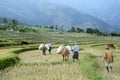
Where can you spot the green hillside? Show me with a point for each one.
(48, 14)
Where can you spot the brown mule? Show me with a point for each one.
(65, 54)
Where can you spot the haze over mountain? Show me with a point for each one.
(107, 10)
(41, 12)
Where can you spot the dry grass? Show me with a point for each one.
(43, 72)
(36, 56)
(64, 71)
(56, 72)
(4, 52)
(116, 66)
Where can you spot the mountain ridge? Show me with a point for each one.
(106, 10)
(45, 13)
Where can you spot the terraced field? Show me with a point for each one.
(35, 66)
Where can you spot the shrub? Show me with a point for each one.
(8, 61)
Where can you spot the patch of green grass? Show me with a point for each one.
(8, 61)
(23, 50)
(90, 68)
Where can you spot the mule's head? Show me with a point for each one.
(110, 46)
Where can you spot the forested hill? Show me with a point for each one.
(39, 12)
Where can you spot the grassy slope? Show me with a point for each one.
(84, 40)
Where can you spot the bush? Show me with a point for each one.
(8, 61)
(12, 59)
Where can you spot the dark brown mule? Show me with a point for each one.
(110, 46)
(65, 54)
(44, 50)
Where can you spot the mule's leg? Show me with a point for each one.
(68, 57)
(63, 58)
(44, 52)
(73, 59)
(49, 50)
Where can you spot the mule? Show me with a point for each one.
(49, 47)
(65, 54)
(110, 46)
(44, 48)
(65, 51)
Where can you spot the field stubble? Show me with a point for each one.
(59, 71)
(63, 71)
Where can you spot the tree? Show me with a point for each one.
(114, 34)
(15, 22)
(93, 31)
(5, 20)
(72, 29)
(51, 27)
(62, 29)
(45, 26)
(96, 31)
(56, 27)
(79, 30)
(89, 30)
